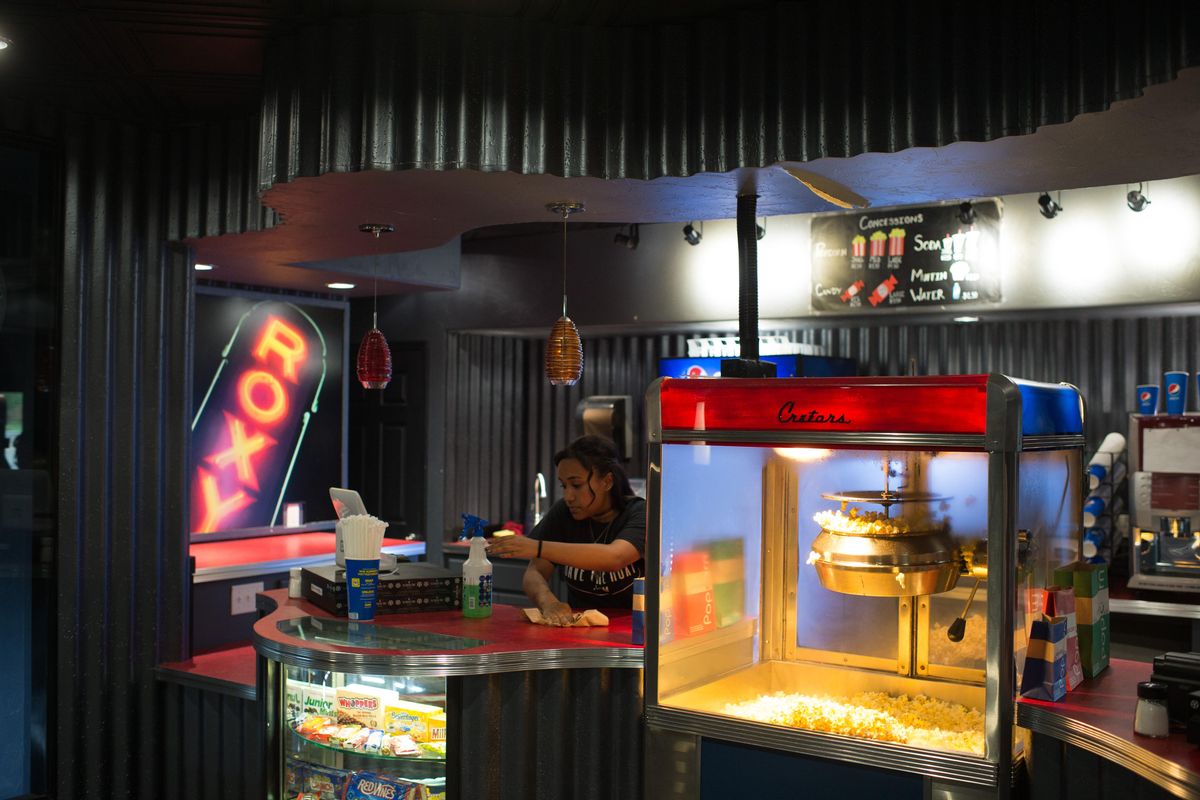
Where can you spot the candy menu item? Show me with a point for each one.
(364, 705)
(917, 720)
(852, 290)
(883, 290)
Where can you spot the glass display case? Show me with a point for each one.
(847, 568)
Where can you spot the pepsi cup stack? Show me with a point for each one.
(1176, 391)
(1147, 399)
(639, 610)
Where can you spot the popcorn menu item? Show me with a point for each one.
(858, 246)
(363, 704)
(917, 720)
(857, 522)
(878, 243)
(896, 242)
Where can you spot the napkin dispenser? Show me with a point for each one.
(1181, 673)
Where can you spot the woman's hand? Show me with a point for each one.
(556, 612)
(513, 547)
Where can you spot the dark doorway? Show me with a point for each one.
(30, 276)
(387, 443)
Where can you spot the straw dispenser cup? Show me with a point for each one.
(362, 536)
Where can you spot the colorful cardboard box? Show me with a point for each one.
(1090, 582)
(1045, 673)
(1060, 602)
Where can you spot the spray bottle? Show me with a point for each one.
(477, 578)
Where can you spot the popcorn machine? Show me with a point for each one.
(844, 568)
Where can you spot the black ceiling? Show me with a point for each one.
(200, 61)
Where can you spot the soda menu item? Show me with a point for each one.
(906, 257)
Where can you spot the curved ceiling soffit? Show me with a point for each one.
(792, 83)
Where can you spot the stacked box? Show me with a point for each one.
(1090, 582)
(363, 705)
(729, 580)
(410, 588)
(317, 701)
(1060, 602)
(1045, 674)
(415, 719)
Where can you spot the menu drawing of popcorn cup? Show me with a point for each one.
(858, 246)
(883, 290)
(896, 242)
(878, 244)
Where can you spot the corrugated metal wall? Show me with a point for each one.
(123, 577)
(210, 746)
(504, 421)
(784, 82)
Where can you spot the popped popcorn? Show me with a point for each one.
(917, 720)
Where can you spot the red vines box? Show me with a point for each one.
(268, 409)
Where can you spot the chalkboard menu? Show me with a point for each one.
(906, 258)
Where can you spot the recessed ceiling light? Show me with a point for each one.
(5, 42)
(340, 285)
(204, 268)
(966, 319)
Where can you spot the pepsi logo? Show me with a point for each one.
(1174, 388)
(695, 371)
(1144, 396)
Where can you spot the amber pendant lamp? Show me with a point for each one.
(374, 357)
(564, 351)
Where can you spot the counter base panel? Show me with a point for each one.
(545, 735)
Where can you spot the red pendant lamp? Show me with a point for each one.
(374, 357)
(564, 351)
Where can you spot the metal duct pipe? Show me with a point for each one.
(747, 239)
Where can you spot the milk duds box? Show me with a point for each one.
(411, 588)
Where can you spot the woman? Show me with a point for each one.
(596, 533)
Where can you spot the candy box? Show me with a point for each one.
(317, 700)
(325, 782)
(437, 727)
(373, 786)
(411, 718)
(364, 705)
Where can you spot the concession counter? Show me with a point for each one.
(435, 705)
(843, 572)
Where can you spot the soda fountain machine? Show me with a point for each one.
(1164, 499)
(844, 568)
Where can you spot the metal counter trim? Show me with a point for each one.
(1168, 775)
(449, 665)
(948, 766)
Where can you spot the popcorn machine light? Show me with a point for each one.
(846, 568)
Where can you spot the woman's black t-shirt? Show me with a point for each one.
(589, 588)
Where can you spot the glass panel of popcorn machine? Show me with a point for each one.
(711, 535)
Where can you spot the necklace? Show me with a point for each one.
(603, 533)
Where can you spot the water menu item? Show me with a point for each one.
(906, 257)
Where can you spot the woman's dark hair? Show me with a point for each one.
(599, 455)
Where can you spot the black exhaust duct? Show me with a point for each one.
(748, 365)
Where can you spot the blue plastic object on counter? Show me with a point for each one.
(472, 524)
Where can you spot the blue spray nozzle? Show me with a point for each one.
(472, 526)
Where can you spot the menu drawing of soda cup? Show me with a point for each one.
(896, 242)
(947, 248)
(883, 290)
(878, 244)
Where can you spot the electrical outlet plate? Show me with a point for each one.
(241, 597)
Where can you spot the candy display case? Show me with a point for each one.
(434, 705)
(846, 568)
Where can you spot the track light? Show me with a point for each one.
(966, 213)
(1049, 208)
(691, 235)
(1136, 200)
(760, 230)
(630, 239)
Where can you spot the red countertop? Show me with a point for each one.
(229, 671)
(1098, 716)
(506, 632)
(287, 547)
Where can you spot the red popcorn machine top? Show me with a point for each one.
(847, 568)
